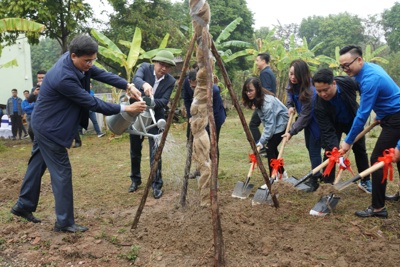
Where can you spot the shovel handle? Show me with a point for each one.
(358, 137)
(285, 139)
(250, 170)
(325, 163)
(361, 175)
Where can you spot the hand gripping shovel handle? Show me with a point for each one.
(280, 153)
(285, 140)
(325, 163)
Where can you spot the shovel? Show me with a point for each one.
(262, 195)
(242, 190)
(328, 203)
(326, 162)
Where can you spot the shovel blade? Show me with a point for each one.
(262, 196)
(293, 180)
(325, 205)
(242, 190)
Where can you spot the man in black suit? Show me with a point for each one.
(155, 81)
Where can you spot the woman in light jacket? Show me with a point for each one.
(273, 115)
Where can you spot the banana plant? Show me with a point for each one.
(17, 24)
(222, 45)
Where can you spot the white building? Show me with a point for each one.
(19, 77)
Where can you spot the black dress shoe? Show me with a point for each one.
(71, 229)
(369, 212)
(394, 197)
(77, 145)
(16, 210)
(134, 186)
(157, 193)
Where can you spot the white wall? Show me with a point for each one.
(16, 77)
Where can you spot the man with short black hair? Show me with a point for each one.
(335, 109)
(154, 81)
(15, 113)
(268, 81)
(64, 103)
(382, 95)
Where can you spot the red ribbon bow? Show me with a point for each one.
(275, 164)
(388, 167)
(253, 159)
(346, 162)
(333, 157)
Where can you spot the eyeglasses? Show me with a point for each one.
(164, 65)
(346, 66)
(90, 61)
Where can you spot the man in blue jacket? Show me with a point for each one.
(64, 103)
(154, 81)
(379, 93)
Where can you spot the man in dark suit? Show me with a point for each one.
(155, 81)
(335, 109)
(64, 103)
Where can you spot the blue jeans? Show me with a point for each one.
(92, 117)
(48, 154)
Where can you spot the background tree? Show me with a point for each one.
(373, 31)
(154, 18)
(44, 55)
(332, 31)
(391, 26)
(62, 18)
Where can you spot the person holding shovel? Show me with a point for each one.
(273, 114)
(301, 95)
(382, 95)
(335, 109)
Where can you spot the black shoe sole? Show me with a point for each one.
(19, 214)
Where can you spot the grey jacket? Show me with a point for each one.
(274, 116)
(10, 107)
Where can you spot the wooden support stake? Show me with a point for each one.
(219, 254)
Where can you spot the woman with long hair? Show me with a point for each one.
(273, 115)
(300, 98)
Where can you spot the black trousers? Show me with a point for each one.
(359, 150)
(16, 125)
(388, 138)
(136, 158)
(254, 125)
(272, 150)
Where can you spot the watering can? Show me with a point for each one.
(146, 121)
(137, 123)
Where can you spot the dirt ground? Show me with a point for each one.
(168, 235)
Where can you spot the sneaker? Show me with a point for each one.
(101, 135)
(26, 136)
(369, 212)
(284, 175)
(365, 186)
